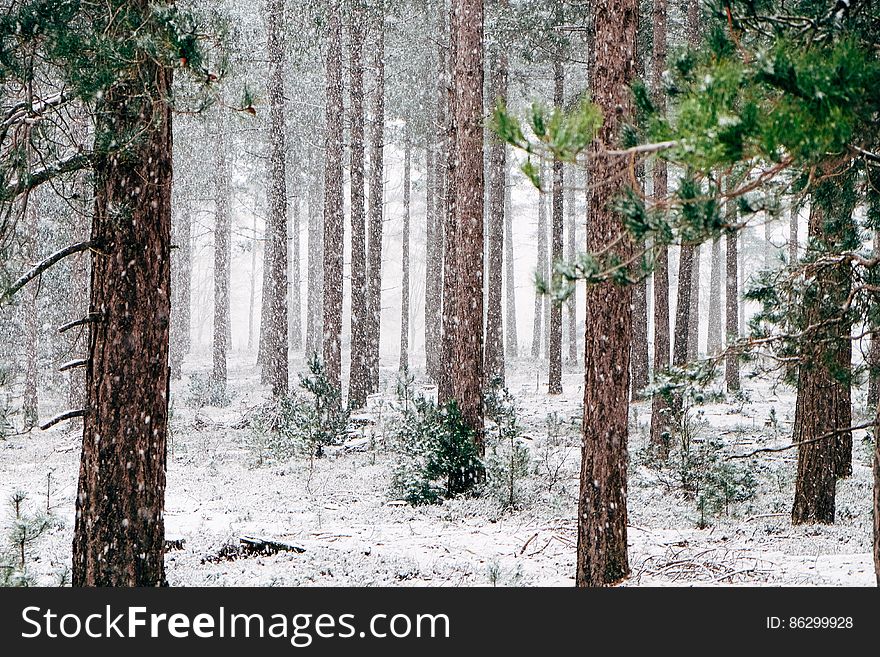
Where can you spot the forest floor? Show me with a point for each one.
(222, 486)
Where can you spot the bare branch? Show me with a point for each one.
(43, 266)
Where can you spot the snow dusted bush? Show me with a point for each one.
(436, 455)
(306, 420)
(25, 529)
(507, 457)
(203, 392)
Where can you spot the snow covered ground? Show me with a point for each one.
(339, 509)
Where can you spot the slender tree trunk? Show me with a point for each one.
(333, 203)
(295, 303)
(358, 382)
(445, 387)
(602, 513)
(713, 339)
(433, 265)
(732, 303)
(541, 270)
(693, 321)
(554, 385)
(181, 282)
(376, 210)
(404, 284)
(222, 255)
(877, 497)
(276, 364)
(570, 255)
(252, 296)
(793, 234)
(497, 192)
(31, 318)
(874, 349)
(119, 532)
(314, 262)
(467, 363)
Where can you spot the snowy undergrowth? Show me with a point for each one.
(340, 510)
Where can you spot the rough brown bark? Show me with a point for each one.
(693, 321)
(119, 531)
(359, 375)
(467, 363)
(602, 514)
(433, 265)
(333, 203)
(376, 209)
(222, 255)
(554, 385)
(495, 264)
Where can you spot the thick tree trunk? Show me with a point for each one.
(334, 227)
(495, 263)
(554, 384)
(181, 289)
(376, 210)
(222, 256)
(602, 513)
(467, 363)
(119, 532)
(713, 339)
(404, 265)
(358, 381)
(823, 410)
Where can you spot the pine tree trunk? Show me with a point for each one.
(119, 531)
(358, 382)
(404, 265)
(554, 385)
(181, 289)
(376, 210)
(79, 300)
(713, 340)
(541, 270)
(445, 384)
(693, 326)
(314, 262)
(874, 349)
(877, 497)
(793, 235)
(252, 295)
(602, 513)
(823, 399)
(30, 402)
(334, 227)
(495, 262)
(433, 265)
(295, 285)
(222, 255)
(467, 363)
(570, 255)
(732, 305)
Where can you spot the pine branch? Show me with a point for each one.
(66, 415)
(824, 436)
(42, 266)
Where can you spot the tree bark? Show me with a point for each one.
(30, 311)
(119, 532)
(333, 203)
(404, 265)
(467, 363)
(713, 339)
(541, 270)
(358, 382)
(602, 513)
(295, 282)
(554, 384)
(497, 195)
(570, 255)
(222, 255)
(314, 262)
(732, 303)
(376, 209)
(693, 321)
(181, 289)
